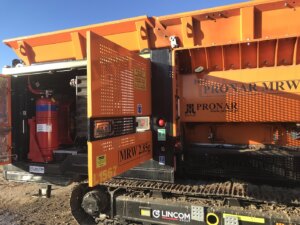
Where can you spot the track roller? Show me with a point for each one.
(95, 202)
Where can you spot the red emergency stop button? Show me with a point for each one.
(161, 122)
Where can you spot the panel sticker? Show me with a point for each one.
(101, 161)
(139, 109)
(246, 218)
(143, 123)
(172, 215)
(161, 134)
(139, 79)
(146, 212)
(43, 128)
(162, 160)
(37, 169)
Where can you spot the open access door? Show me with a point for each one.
(5, 120)
(119, 109)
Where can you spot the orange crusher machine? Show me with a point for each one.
(190, 118)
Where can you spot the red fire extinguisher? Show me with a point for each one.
(47, 126)
(46, 130)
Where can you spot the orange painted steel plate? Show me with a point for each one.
(118, 87)
(250, 95)
(110, 157)
(234, 23)
(118, 80)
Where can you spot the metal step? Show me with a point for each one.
(13, 173)
(150, 170)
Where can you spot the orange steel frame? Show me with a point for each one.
(227, 24)
(259, 53)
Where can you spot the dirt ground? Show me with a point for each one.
(19, 207)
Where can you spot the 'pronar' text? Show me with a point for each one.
(211, 87)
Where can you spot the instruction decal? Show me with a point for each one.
(100, 161)
(140, 81)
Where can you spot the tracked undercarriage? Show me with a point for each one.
(221, 199)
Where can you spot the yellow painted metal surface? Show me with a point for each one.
(250, 219)
(228, 24)
(118, 87)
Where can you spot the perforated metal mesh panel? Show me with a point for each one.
(119, 81)
(4, 121)
(258, 95)
(118, 91)
(263, 97)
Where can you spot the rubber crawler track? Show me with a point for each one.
(230, 189)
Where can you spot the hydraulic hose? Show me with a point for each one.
(34, 91)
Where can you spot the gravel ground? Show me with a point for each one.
(19, 207)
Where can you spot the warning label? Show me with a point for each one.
(43, 128)
(139, 79)
(101, 161)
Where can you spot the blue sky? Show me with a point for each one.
(22, 18)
